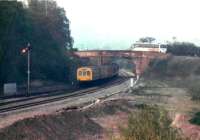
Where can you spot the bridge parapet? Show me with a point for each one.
(140, 58)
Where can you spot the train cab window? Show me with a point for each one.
(88, 73)
(84, 73)
(80, 73)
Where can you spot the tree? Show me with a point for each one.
(12, 32)
(183, 48)
(49, 35)
(147, 39)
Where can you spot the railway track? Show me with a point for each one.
(59, 96)
(4, 102)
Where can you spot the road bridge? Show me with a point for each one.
(141, 59)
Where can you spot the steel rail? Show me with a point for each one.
(60, 98)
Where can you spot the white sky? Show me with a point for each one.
(120, 23)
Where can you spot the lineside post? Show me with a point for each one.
(28, 69)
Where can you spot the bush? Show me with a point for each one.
(174, 66)
(183, 49)
(196, 119)
(159, 66)
(149, 123)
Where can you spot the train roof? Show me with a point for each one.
(93, 67)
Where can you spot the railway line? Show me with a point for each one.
(49, 94)
(9, 106)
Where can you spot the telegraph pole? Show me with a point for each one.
(28, 69)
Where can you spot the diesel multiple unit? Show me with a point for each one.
(93, 73)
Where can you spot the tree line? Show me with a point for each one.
(45, 26)
(183, 49)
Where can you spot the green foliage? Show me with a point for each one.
(183, 70)
(183, 49)
(49, 36)
(147, 39)
(174, 66)
(12, 33)
(149, 123)
(158, 66)
(196, 119)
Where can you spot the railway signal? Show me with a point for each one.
(24, 50)
(28, 51)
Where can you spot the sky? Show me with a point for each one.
(116, 24)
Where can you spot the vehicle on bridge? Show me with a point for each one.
(93, 73)
(149, 47)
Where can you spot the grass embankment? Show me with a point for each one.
(149, 123)
(178, 71)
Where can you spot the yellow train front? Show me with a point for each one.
(93, 73)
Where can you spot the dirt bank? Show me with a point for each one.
(96, 122)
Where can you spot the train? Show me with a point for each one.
(94, 73)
